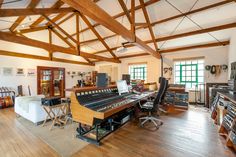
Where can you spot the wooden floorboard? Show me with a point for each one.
(184, 134)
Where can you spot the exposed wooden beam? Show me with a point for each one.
(22, 55)
(181, 35)
(124, 7)
(50, 53)
(78, 37)
(77, 33)
(149, 24)
(71, 61)
(34, 43)
(38, 11)
(57, 5)
(97, 35)
(67, 18)
(54, 48)
(196, 47)
(89, 8)
(94, 40)
(32, 4)
(150, 2)
(58, 17)
(135, 55)
(207, 45)
(62, 38)
(34, 29)
(132, 26)
(175, 17)
(28, 56)
(68, 36)
(136, 8)
(59, 28)
(1, 1)
(206, 30)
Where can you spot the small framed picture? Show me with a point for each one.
(7, 71)
(31, 72)
(20, 72)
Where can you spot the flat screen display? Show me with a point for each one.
(122, 87)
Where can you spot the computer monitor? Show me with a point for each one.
(102, 80)
(122, 87)
(127, 78)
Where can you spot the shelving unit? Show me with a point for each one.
(6, 95)
(226, 118)
(177, 97)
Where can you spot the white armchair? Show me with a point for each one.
(30, 108)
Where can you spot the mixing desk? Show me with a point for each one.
(95, 108)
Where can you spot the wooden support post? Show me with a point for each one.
(133, 19)
(77, 33)
(50, 42)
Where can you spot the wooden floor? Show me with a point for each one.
(185, 134)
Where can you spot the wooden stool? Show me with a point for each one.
(56, 114)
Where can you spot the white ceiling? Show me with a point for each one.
(161, 10)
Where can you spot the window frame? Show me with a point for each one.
(138, 70)
(193, 67)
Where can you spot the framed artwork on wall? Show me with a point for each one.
(31, 72)
(7, 71)
(20, 72)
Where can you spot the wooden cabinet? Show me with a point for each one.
(51, 81)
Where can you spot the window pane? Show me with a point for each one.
(194, 67)
(200, 73)
(138, 71)
(200, 79)
(193, 73)
(177, 63)
(188, 85)
(188, 73)
(177, 73)
(188, 67)
(177, 68)
(200, 66)
(183, 73)
(177, 79)
(188, 79)
(183, 79)
(194, 79)
(183, 67)
(194, 62)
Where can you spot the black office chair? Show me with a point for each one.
(152, 106)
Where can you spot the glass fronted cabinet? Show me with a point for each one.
(51, 81)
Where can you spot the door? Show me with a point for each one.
(51, 81)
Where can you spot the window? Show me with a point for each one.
(189, 72)
(138, 71)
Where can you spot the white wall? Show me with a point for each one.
(153, 66)
(213, 56)
(14, 81)
(232, 50)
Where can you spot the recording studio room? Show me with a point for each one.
(118, 78)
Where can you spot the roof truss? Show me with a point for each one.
(86, 8)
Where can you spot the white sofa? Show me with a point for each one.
(30, 108)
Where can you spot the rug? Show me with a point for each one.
(62, 140)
